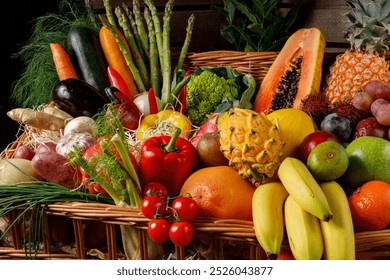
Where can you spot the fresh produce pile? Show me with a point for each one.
(142, 135)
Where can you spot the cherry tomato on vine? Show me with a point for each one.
(158, 230)
(155, 189)
(152, 205)
(186, 207)
(181, 233)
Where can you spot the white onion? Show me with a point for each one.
(80, 124)
(142, 102)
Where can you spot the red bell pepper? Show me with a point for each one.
(117, 97)
(117, 81)
(181, 105)
(168, 160)
(153, 108)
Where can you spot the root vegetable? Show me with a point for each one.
(80, 140)
(57, 112)
(55, 168)
(17, 170)
(80, 124)
(36, 119)
(24, 151)
(62, 62)
(46, 147)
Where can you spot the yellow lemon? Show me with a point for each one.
(294, 125)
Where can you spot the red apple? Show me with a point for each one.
(312, 140)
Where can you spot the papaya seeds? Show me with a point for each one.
(209, 152)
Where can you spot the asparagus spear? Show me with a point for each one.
(109, 14)
(133, 25)
(139, 62)
(154, 63)
(184, 49)
(166, 69)
(140, 26)
(157, 28)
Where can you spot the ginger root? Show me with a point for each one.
(36, 119)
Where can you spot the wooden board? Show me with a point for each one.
(328, 16)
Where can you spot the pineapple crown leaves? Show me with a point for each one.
(256, 25)
(368, 25)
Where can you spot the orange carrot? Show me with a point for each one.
(64, 66)
(115, 58)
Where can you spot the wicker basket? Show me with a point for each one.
(214, 238)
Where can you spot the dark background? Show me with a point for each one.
(17, 28)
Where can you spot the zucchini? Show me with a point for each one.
(87, 57)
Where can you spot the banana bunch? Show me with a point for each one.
(314, 215)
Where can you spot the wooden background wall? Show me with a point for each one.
(327, 15)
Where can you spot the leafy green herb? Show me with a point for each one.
(256, 25)
(37, 80)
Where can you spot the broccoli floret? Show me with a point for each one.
(205, 93)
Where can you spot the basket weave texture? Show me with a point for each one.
(253, 63)
(215, 237)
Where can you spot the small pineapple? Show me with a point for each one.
(368, 31)
(251, 143)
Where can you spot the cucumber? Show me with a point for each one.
(88, 58)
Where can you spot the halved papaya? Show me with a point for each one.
(295, 73)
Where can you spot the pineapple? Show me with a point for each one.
(368, 31)
(251, 143)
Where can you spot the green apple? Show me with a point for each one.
(369, 159)
(328, 161)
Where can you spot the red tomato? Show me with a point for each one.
(158, 230)
(186, 208)
(181, 233)
(155, 189)
(152, 205)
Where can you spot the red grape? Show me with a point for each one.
(377, 89)
(380, 109)
(362, 101)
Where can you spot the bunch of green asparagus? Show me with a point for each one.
(150, 57)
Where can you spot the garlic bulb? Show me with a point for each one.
(68, 142)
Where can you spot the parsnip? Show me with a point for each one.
(36, 119)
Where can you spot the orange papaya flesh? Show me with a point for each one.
(295, 73)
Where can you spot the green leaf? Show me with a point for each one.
(291, 16)
(243, 8)
(256, 28)
(231, 10)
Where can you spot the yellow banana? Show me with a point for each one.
(301, 185)
(303, 231)
(267, 212)
(338, 233)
